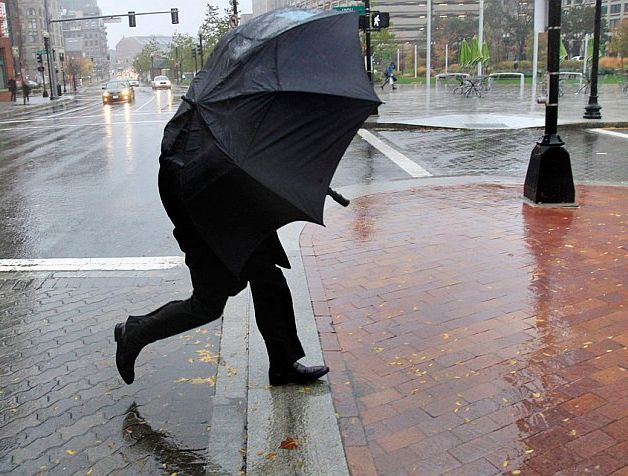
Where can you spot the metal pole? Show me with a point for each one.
(200, 44)
(481, 34)
(416, 59)
(176, 63)
(47, 48)
(592, 110)
(367, 37)
(428, 52)
(446, 57)
(549, 178)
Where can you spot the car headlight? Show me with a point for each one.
(105, 94)
(125, 92)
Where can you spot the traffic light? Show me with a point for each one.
(40, 59)
(61, 57)
(174, 14)
(132, 19)
(194, 52)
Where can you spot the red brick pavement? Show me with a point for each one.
(469, 333)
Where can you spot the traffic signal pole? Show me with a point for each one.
(367, 37)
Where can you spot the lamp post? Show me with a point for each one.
(592, 110)
(152, 67)
(549, 178)
(46, 36)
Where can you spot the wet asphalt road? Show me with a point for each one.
(80, 179)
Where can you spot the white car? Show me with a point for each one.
(134, 83)
(161, 82)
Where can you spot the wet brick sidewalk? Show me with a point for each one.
(65, 410)
(469, 333)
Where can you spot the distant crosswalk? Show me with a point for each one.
(621, 133)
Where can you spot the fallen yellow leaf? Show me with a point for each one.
(70, 452)
(516, 471)
(378, 349)
(536, 395)
(505, 463)
(270, 456)
(289, 444)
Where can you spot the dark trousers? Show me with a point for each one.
(213, 284)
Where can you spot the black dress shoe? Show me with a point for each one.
(126, 353)
(297, 374)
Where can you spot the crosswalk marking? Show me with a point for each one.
(92, 264)
(623, 135)
(409, 166)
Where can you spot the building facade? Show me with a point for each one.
(86, 38)
(28, 22)
(7, 62)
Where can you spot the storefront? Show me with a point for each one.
(6, 56)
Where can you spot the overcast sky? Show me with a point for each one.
(191, 14)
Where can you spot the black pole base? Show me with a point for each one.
(592, 110)
(549, 178)
(44, 94)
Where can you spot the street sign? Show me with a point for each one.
(352, 8)
(112, 20)
(234, 21)
(40, 52)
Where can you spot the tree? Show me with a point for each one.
(143, 60)
(578, 20)
(619, 42)
(79, 67)
(213, 28)
(181, 50)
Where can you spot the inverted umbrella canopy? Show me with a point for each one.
(281, 97)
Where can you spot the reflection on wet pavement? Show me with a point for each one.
(65, 409)
(475, 334)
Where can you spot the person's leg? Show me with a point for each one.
(274, 315)
(212, 284)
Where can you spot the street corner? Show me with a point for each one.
(66, 409)
(469, 333)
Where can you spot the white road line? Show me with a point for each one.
(99, 124)
(410, 167)
(623, 135)
(145, 104)
(92, 264)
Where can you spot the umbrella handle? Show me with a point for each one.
(337, 197)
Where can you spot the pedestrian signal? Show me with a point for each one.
(174, 14)
(132, 19)
(380, 20)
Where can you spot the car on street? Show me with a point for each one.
(161, 82)
(118, 90)
(134, 82)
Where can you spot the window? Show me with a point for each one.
(604, 9)
(31, 12)
(616, 8)
(613, 23)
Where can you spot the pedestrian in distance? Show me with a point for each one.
(389, 76)
(26, 92)
(12, 89)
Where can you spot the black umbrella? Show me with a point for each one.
(265, 123)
